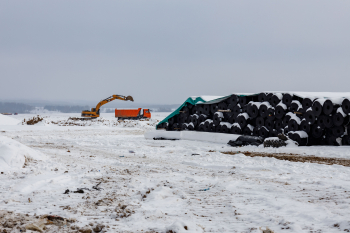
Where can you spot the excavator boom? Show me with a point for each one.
(95, 112)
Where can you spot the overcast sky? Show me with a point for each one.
(164, 51)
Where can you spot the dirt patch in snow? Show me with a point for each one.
(295, 157)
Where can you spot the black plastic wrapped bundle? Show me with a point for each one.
(169, 127)
(317, 107)
(248, 130)
(293, 124)
(236, 129)
(218, 117)
(225, 127)
(285, 130)
(233, 99)
(244, 109)
(273, 133)
(200, 110)
(276, 99)
(222, 106)
(190, 126)
(305, 126)
(172, 120)
(316, 131)
(328, 121)
(262, 97)
(263, 110)
(184, 126)
(310, 116)
(280, 110)
(296, 106)
(263, 132)
(242, 100)
(194, 119)
(213, 108)
(206, 109)
(269, 97)
(202, 117)
(340, 118)
(182, 118)
(212, 127)
(286, 120)
(338, 131)
(218, 128)
(253, 109)
(271, 113)
(201, 127)
(259, 122)
(346, 106)
(346, 140)
(269, 124)
(307, 103)
(256, 131)
(177, 126)
(242, 120)
(278, 124)
(207, 125)
(327, 107)
(331, 140)
(193, 110)
(229, 117)
(231, 106)
(236, 110)
(299, 136)
(287, 99)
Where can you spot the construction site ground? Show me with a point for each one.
(131, 184)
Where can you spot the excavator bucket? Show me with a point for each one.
(129, 98)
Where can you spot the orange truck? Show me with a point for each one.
(132, 114)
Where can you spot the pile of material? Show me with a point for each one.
(306, 119)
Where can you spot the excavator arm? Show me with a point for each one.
(95, 112)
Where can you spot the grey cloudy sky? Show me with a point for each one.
(164, 51)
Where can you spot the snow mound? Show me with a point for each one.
(6, 120)
(143, 123)
(13, 154)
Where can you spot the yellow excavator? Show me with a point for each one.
(95, 112)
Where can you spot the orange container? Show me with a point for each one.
(132, 113)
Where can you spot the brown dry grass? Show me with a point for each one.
(295, 157)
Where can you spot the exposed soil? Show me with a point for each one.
(294, 157)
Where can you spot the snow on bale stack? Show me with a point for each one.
(306, 118)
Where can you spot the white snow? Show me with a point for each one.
(237, 125)
(7, 120)
(219, 114)
(321, 101)
(282, 105)
(294, 117)
(302, 134)
(257, 104)
(278, 95)
(161, 183)
(340, 110)
(267, 104)
(244, 114)
(298, 103)
(13, 154)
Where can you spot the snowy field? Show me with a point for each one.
(131, 184)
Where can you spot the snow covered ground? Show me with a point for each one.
(164, 186)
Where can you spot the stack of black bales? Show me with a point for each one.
(308, 121)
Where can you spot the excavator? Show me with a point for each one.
(95, 112)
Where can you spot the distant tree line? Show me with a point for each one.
(9, 107)
(66, 108)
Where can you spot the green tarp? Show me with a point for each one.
(193, 101)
